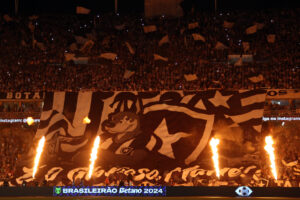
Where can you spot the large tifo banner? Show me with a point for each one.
(271, 94)
(147, 135)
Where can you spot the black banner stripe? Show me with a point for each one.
(48, 102)
(70, 105)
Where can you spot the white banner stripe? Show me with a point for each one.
(247, 116)
(82, 110)
(58, 98)
(207, 131)
(259, 98)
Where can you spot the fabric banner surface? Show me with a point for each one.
(159, 57)
(82, 10)
(256, 79)
(197, 36)
(150, 28)
(190, 77)
(251, 29)
(130, 49)
(163, 40)
(149, 131)
(220, 46)
(109, 56)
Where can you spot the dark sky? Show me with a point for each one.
(134, 6)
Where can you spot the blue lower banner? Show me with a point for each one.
(110, 191)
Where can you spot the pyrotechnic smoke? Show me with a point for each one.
(270, 150)
(93, 156)
(39, 151)
(214, 146)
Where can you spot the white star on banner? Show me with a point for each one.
(168, 139)
(220, 100)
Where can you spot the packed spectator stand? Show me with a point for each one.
(34, 48)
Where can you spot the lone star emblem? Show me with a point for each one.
(220, 100)
(168, 139)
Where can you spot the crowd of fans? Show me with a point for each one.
(282, 107)
(33, 51)
(288, 155)
(15, 140)
(12, 146)
(34, 48)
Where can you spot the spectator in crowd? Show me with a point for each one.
(35, 50)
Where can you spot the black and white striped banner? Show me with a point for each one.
(160, 130)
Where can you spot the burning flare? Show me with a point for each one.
(86, 120)
(214, 146)
(270, 150)
(93, 157)
(39, 151)
(29, 121)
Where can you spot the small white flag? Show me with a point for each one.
(239, 62)
(193, 25)
(82, 10)
(251, 29)
(197, 36)
(164, 40)
(290, 164)
(109, 56)
(87, 46)
(190, 77)
(220, 46)
(130, 49)
(256, 79)
(150, 28)
(69, 56)
(158, 57)
(128, 74)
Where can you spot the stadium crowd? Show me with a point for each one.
(35, 51)
(15, 140)
(12, 146)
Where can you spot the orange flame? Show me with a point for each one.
(86, 120)
(39, 151)
(214, 146)
(29, 121)
(93, 157)
(270, 150)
